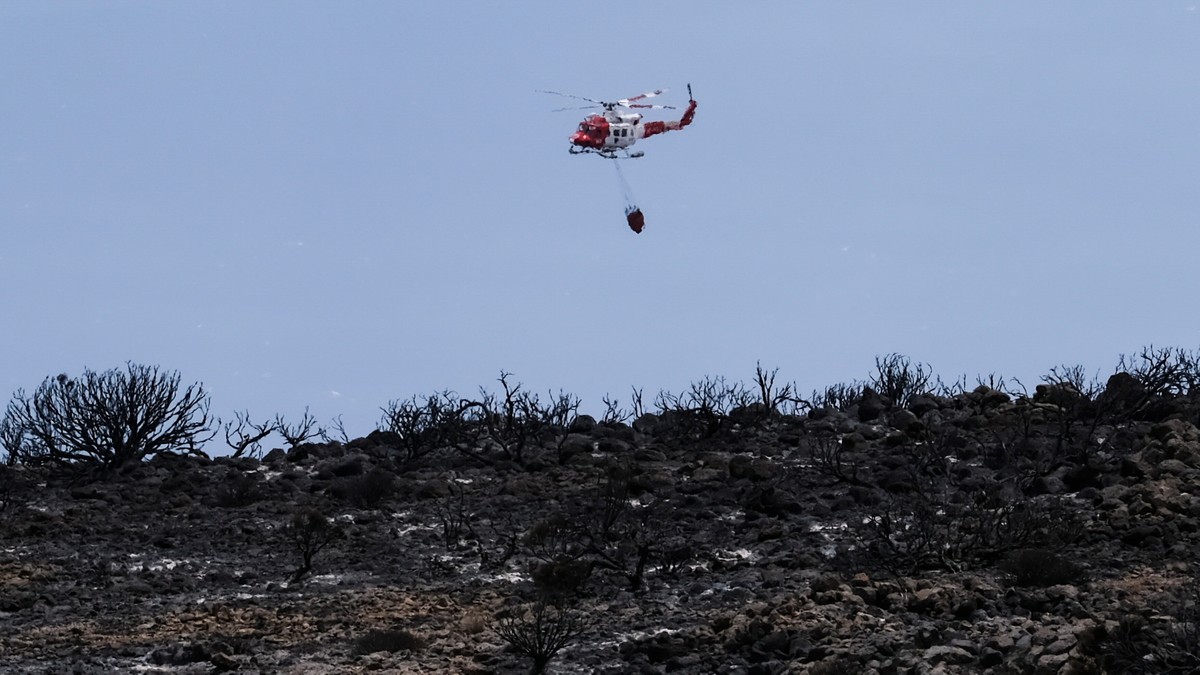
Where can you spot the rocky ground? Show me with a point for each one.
(976, 533)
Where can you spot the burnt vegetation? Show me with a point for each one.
(727, 523)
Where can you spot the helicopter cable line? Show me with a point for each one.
(633, 214)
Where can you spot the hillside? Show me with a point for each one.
(873, 529)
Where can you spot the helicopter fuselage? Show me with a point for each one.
(607, 133)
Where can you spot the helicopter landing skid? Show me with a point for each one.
(608, 154)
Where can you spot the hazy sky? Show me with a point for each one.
(333, 204)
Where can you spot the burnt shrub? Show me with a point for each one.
(701, 412)
(1040, 567)
(1137, 646)
(899, 379)
(540, 631)
(913, 532)
(388, 641)
(107, 419)
(556, 538)
(238, 489)
(12, 489)
(369, 490)
(422, 425)
(842, 396)
(561, 579)
(1145, 386)
(308, 532)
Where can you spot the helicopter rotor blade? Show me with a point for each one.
(559, 93)
(581, 107)
(650, 94)
(624, 103)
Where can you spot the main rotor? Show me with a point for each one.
(613, 105)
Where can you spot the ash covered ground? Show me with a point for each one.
(968, 531)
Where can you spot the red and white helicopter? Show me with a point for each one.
(612, 132)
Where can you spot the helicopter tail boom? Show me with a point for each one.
(655, 128)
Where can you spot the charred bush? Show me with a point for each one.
(838, 665)
(774, 399)
(702, 412)
(12, 437)
(424, 425)
(1151, 385)
(540, 631)
(518, 422)
(675, 558)
(301, 431)
(107, 419)
(842, 396)
(239, 489)
(555, 538)
(831, 458)
(245, 436)
(456, 519)
(14, 489)
(1138, 646)
(612, 498)
(388, 641)
(951, 530)
(1040, 567)
(308, 532)
(371, 489)
(899, 379)
(561, 579)
(1168, 642)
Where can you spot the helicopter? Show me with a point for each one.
(612, 132)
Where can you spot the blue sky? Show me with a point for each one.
(334, 205)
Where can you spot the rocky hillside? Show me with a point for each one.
(873, 531)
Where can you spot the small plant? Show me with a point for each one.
(308, 532)
(388, 641)
(540, 631)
